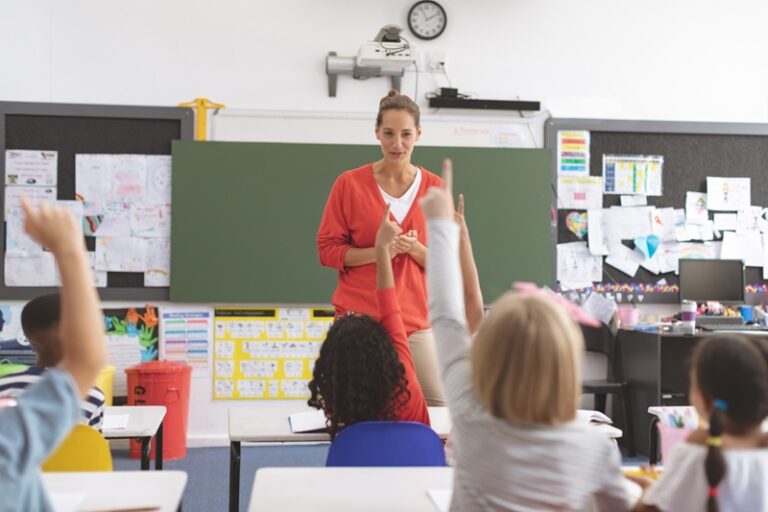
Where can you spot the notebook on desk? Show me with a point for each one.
(308, 421)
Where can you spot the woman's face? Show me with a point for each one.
(397, 135)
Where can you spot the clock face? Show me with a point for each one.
(427, 19)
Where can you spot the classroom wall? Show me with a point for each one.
(680, 60)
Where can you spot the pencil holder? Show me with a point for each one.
(629, 316)
(669, 437)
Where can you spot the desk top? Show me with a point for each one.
(123, 490)
(333, 489)
(143, 420)
(269, 424)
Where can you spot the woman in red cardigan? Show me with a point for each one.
(345, 239)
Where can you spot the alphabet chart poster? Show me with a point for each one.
(266, 353)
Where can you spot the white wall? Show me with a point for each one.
(658, 59)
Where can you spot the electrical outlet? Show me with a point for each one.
(436, 61)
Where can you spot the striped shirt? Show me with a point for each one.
(502, 465)
(92, 408)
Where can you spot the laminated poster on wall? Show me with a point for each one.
(633, 174)
(132, 338)
(267, 352)
(14, 346)
(573, 153)
(186, 335)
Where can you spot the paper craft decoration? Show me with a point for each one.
(632, 174)
(647, 245)
(573, 153)
(728, 194)
(132, 338)
(577, 224)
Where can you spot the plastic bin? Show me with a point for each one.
(669, 437)
(106, 383)
(163, 383)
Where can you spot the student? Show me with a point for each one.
(365, 370)
(43, 416)
(513, 394)
(724, 467)
(40, 322)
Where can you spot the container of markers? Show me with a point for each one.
(670, 436)
(675, 425)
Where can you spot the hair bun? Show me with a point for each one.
(392, 93)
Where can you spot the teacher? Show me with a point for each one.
(352, 216)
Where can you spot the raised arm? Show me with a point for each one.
(83, 342)
(473, 295)
(446, 296)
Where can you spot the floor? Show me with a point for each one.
(208, 470)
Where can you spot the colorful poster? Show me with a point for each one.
(185, 336)
(132, 338)
(632, 174)
(573, 153)
(266, 353)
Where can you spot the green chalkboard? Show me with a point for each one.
(245, 217)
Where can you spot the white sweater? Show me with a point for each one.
(502, 465)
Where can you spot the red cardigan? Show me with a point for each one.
(416, 407)
(351, 218)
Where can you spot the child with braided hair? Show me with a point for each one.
(725, 466)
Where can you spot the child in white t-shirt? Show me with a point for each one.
(723, 468)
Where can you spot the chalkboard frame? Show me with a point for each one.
(634, 127)
(184, 117)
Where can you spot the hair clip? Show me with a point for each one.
(720, 404)
(716, 441)
(713, 491)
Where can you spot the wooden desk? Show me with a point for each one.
(269, 424)
(334, 489)
(144, 422)
(120, 489)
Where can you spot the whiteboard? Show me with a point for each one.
(489, 130)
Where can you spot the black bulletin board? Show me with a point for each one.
(691, 151)
(71, 129)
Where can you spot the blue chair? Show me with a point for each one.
(386, 443)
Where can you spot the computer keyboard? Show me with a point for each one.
(711, 321)
(735, 328)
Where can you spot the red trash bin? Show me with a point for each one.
(163, 383)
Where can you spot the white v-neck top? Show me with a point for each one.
(400, 206)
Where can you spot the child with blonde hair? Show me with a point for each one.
(513, 393)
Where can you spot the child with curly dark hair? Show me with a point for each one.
(723, 467)
(365, 370)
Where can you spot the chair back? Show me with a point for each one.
(601, 340)
(84, 449)
(386, 443)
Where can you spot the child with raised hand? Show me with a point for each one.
(365, 370)
(725, 466)
(43, 416)
(513, 392)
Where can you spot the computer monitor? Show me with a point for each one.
(715, 280)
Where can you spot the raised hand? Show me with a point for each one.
(438, 201)
(388, 230)
(52, 226)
